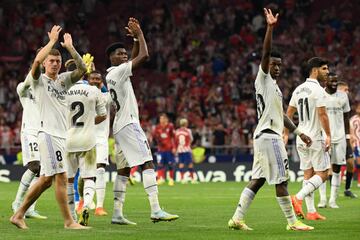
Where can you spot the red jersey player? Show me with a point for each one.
(164, 135)
(183, 139)
(355, 137)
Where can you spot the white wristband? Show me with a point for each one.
(297, 132)
(347, 136)
(135, 39)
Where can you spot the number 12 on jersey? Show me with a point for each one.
(304, 103)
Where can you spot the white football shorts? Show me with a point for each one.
(338, 153)
(314, 156)
(29, 148)
(52, 154)
(270, 159)
(85, 161)
(131, 140)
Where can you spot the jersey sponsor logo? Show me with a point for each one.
(56, 93)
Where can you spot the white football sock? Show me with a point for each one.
(71, 198)
(322, 191)
(119, 194)
(245, 200)
(100, 187)
(309, 199)
(150, 186)
(287, 209)
(24, 185)
(313, 183)
(89, 192)
(335, 186)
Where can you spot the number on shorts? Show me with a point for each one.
(74, 105)
(114, 98)
(58, 156)
(286, 164)
(34, 147)
(304, 102)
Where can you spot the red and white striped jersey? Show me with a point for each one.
(355, 126)
(183, 139)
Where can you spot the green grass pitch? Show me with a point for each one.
(204, 211)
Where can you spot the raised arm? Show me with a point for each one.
(80, 70)
(135, 49)
(42, 54)
(143, 54)
(271, 21)
(324, 120)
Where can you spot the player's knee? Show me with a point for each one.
(336, 168)
(124, 171)
(34, 166)
(100, 165)
(256, 184)
(150, 165)
(47, 181)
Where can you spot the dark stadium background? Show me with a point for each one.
(204, 56)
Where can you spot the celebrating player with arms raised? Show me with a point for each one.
(50, 89)
(130, 139)
(270, 157)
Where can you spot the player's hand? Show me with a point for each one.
(134, 29)
(285, 138)
(327, 143)
(306, 139)
(54, 33)
(68, 42)
(270, 19)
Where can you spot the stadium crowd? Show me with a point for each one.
(204, 55)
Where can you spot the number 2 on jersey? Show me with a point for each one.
(114, 98)
(80, 112)
(304, 102)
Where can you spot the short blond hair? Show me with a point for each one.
(183, 122)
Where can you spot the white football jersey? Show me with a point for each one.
(103, 128)
(50, 95)
(84, 102)
(336, 105)
(306, 98)
(30, 117)
(268, 103)
(123, 96)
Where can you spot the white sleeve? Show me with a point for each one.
(260, 77)
(122, 72)
(100, 104)
(320, 98)
(346, 107)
